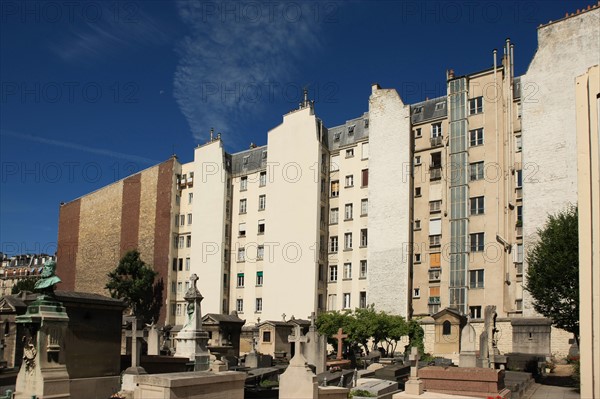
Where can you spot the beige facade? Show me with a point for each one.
(588, 174)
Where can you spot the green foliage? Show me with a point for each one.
(133, 281)
(553, 271)
(416, 336)
(26, 284)
(361, 393)
(362, 325)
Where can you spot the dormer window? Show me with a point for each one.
(366, 123)
(351, 130)
(264, 155)
(440, 106)
(245, 160)
(336, 136)
(417, 110)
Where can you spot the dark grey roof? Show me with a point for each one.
(223, 318)
(428, 110)
(248, 161)
(349, 133)
(87, 297)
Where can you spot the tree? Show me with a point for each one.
(553, 271)
(133, 281)
(26, 284)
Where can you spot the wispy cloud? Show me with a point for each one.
(78, 147)
(116, 30)
(238, 57)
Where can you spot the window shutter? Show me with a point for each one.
(434, 260)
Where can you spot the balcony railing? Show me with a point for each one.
(434, 275)
(435, 173)
(436, 141)
(434, 300)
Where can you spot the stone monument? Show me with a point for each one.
(340, 339)
(414, 386)
(192, 341)
(153, 340)
(298, 380)
(487, 340)
(315, 349)
(44, 371)
(468, 346)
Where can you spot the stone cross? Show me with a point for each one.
(134, 349)
(340, 339)
(312, 319)
(298, 339)
(414, 361)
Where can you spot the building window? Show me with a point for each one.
(176, 220)
(266, 336)
(243, 205)
(258, 305)
(262, 179)
(446, 328)
(435, 259)
(261, 226)
(477, 205)
(240, 280)
(239, 305)
(182, 220)
(346, 300)
(241, 255)
(242, 230)
(417, 191)
(417, 224)
(416, 292)
(435, 241)
(418, 132)
(187, 264)
(365, 178)
(260, 252)
(262, 202)
(435, 206)
(476, 278)
(417, 160)
(181, 241)
(173, 309)
(363, 237)
(349, 180)
(363, 269)
(334, 215)
(174, 264)
(335, 188)
(518, 144)
(244, 183)
(475, 312)
(190, 198)
(188, 241)
(477, 243)
(347, 271)
(336, 136)
(476, 170)
(333, 244)
(476, 137)
(178, 309)
(362, 302)
(348, 212)
(348, 241)
(179, 286)
(436, 130)
(177, 199)
(364, 207)
(331, 301)
(476, 105)
(519, 304)
(519, 178)
(417, 258)
(333, 273)
(173, 287)
(519, 214)
(189, 217)
(365, 150)
(349, 152)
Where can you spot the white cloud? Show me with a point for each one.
(237, 58)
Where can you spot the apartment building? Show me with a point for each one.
(413, 208)
(19, 267)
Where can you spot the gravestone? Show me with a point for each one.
(315, 349)
(298, 380)
(377, 388)
(135, 369)
(44, 371)
(414, 386)
(153, 340)
(192, 341)
(340, 340)
(468, 346)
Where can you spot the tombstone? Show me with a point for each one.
(377, 388)
(315, 349)
(487, 340)
(192, 341)
(340, 340)
(468, 346)
(153, 340)
(251, 359)
(298, 380)
(414, 386)
(44, 371)
(135, 369)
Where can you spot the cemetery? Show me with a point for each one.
(79, 345)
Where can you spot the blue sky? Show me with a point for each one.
(94, 91)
